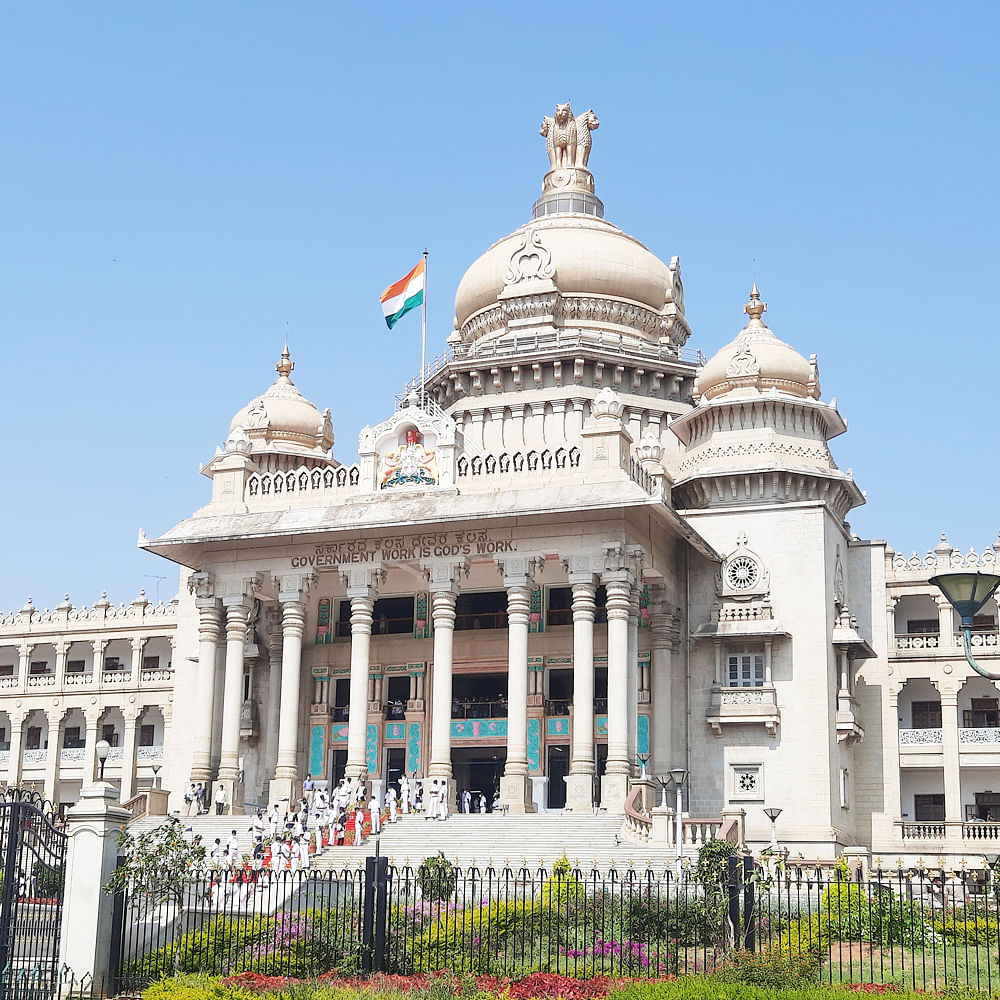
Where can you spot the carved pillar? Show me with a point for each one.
(580, 783)
(62, 650)
(271, 712)
(614, 786)
(890, 619)
(24, 664)
(946, 622)
(237, 607)
(444, 588)
(632, 691)
(950, 754)
(52, 757)
(128, 754)
(515, 788)
(138, 644)
(15, 764)
(209, 633)
(362, 606)
(293, 595)
(93, 717)
(663, 633)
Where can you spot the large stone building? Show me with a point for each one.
(576, 548)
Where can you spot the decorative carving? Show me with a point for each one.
(839, 581)
(568, 138)
(238, 443)
(607, 405)
(202, 585)
(742, 575)
(743, 364)
(530, 260)
(257, 414)
(411, 464)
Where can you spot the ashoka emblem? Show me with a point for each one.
(742, 573)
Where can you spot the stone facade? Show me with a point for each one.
(577, 546)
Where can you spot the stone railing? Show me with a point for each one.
(147, 754)
(41, 680)
(262, 485)
(979, 736)
(638, 825)
(78, 680)
(8, 682)
(979, 640)
(4, 759)
(922, 831)
(920, 737)
(115, 754)
(34, 756)
(72, 755)
(140, 610)
(641, 477)
(928, 641)
(162, 675)
(989, 559)
(116, 678)
(137, 806)
(515, 462)
(981, 830)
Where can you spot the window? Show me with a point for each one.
(109, 735)
(71, 738)
(928, 808)
(559, 606)
(6, 669)
(922, 626)
(146, 736)
(34, 740)
(984, 623)
(39, 667)
(112, 663)
(984, 714)
(4, 744)
(76, 667)
(746, 670)
(926, 714)
(483, 610)
(150, 663)
(845, 788)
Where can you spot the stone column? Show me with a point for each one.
(209, 633)
(293, 594)
(271, 712)
(946, 622)
(362, 607)
(237, 607)
(16, 740)
(515, 788)
(128, 754)
(443, 617)
(950, 753)
(614, 786)
(93, 717)
(632, 691)
(92, 827)
(663, 629)
(138, 644)
(52, 758)
(62, 651)
(580, 783)
(23, 664)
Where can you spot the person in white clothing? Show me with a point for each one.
(221, 800)
(467, 801)
(443, 799)
(375, 814)
(275, 820)
(390, 799)
(294, 852)
(482, 802)
(304, 860)
(359, 821)
(217, 855)
(404, 794)
(275, 857)
(257, 826)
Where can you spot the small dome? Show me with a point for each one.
(282, 419)
(757, 361)
(582, 255)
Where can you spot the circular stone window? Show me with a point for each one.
(742, 573)
(748, 781)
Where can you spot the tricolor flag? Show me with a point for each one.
(402, 296)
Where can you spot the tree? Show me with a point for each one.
(157, 864)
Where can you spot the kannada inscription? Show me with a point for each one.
(404, 548)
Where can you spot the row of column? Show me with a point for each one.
(229, 615)
(62, 648)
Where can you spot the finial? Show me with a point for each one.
(285, 365)
(755, 308)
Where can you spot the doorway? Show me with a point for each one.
(338, 767)
(556, 769)
(395, 763)
(479, 770)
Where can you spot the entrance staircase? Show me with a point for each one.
(587, 840)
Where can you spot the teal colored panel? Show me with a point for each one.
(395, 730)
(534, 743)
(478, 729)
(602, 725)
(316, 748)
(557, 726)
(338, 734)
(413, 748)
(371, 750)
(642, 734)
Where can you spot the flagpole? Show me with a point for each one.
(423, 336)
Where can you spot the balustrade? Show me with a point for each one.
(145, 754)
(159, 675)
(924, 641)
(4, 759)
(922, 831)
(78, 680)
(981, 830)
(72, 755)
(34, 756)
(116, 678)
(970, 735)
(41, 680)
(8, 682)
(920, 737)
(980, 640)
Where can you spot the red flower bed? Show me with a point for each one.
(537, 985)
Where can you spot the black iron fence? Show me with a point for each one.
(911, 928)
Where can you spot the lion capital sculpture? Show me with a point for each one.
(567, 137)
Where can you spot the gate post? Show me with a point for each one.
(381, 910)
(92, 826)
(734, 887)
(749, 904)
(368, 918)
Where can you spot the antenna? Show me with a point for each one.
(158, 579)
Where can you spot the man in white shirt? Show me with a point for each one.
(220, 800)
(404, 794)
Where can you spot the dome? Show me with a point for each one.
(283, 420)
(756, 361)
(582, 255)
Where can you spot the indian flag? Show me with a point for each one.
(402, 296)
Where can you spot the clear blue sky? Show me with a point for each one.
(183, 184)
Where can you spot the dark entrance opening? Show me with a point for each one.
(395, 762)
(338, 766)
(602, 763)
(557, 767)
(478, 769)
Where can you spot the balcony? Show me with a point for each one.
(917, 643)
(921, 737)
(744, 705)
(148, 755)
(72, 755)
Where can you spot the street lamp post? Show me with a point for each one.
(103, 748)
(679, 776)
(156, 775)
(772, 813)
(967, 593)
(643, 761)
